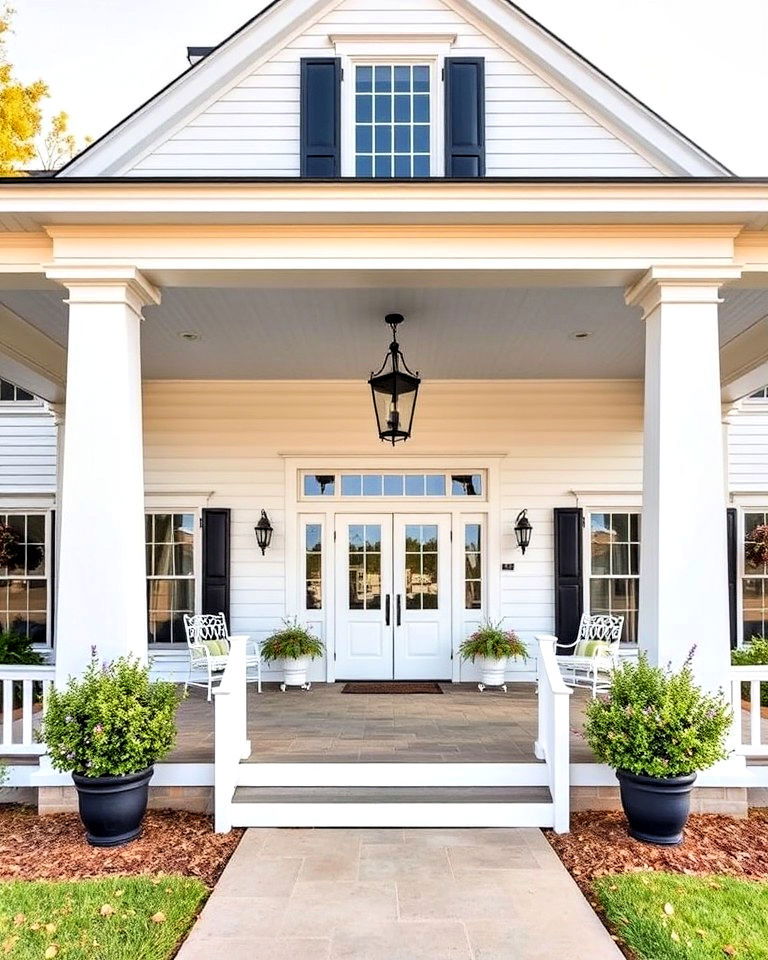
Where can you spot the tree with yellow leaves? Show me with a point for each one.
(20, 114)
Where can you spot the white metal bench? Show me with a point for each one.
(595, 652)
(208, 641)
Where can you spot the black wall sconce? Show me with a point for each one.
(523, 530)
(263, 532)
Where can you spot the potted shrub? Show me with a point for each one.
(494, 647)
(657, 729)
(108, 728)
(295, 646)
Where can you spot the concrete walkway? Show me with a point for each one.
(397, 895)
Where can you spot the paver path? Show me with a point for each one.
(397, 894)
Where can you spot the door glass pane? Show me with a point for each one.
(356, 581)
(313, 571)
(421, 559)
(365, 566)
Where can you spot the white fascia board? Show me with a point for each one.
(673, 152)
(119, 149)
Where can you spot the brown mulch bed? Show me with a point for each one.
(599, 843)
(53, 847)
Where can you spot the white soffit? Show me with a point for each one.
(330, 333)
(235, 57)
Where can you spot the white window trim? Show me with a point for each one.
(600, 507)
(422, 49)
(431, 501)
(46, 508)
(157, 504)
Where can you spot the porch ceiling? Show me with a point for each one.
(335, 333)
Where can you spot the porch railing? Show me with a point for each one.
(750, 721)
(231, 743)
(25, 693)
(553, 741)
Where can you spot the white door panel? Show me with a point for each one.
(422, 586)
(363, 583)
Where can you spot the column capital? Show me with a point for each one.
(105, 283)
(693, 283)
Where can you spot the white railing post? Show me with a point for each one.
(553, 744)
(231, 743)
(18, 733)
(756, 743)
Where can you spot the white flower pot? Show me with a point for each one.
(295, 674)
(492, 673)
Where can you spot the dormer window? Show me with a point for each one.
(392, 120)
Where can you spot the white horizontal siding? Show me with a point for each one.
(27, 449)
(227, 438)
(748, 449)
(531, 128)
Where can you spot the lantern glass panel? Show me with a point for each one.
(394, 399)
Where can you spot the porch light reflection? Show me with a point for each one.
(394, 389)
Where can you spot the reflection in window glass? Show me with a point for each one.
(313, 565)
(753, 592)
(472, 567)
(23, 583)
(365, 566)
(170, 540)
(466, 485)
(614, 568)
(421, 588)
(319, 485)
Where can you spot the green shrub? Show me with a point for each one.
(291, 642)
(493, 643)
(111, 721)
(16, 648)
(755, 653)
(657, 723)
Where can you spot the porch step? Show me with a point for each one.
(392, 774)
(392, 806)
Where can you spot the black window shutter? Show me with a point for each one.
(216, 523)
(569, 569)
(52, 584)
(464, 117)
(320, 117)
(732, 527)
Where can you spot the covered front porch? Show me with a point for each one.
(210, 363)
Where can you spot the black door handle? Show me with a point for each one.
(398, 610)
(386, 610)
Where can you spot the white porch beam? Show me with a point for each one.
(102, 569)
(683, 563)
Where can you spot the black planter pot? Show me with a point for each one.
(112, 808)
(657, 808)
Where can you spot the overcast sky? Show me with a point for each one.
(701, 64)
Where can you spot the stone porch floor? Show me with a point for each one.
(324, 725)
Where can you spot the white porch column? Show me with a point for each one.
(101, 598)
(683, 558)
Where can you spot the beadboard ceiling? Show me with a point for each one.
(457, 333)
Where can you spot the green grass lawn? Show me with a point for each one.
(115, 918)
(665, 916)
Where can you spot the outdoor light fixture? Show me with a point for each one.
(394, 389)
(523, 530)
(263, 532)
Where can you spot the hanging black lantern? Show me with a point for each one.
(394, 388)
(523, 530)
(263, 532)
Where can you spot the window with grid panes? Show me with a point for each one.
(392, 120)
(170, 540)
(313, 565)
(473, 582)
(754, 584)
(9, 392)
(24, 585)
(614, 568)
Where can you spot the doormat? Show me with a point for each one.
(392, 686)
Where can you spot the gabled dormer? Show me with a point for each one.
(428, 88)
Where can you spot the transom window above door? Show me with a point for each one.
(392, 120)
(396, 485)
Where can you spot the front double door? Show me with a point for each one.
(393, 597)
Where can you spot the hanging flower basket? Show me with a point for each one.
(9, 546)
(756, 550)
